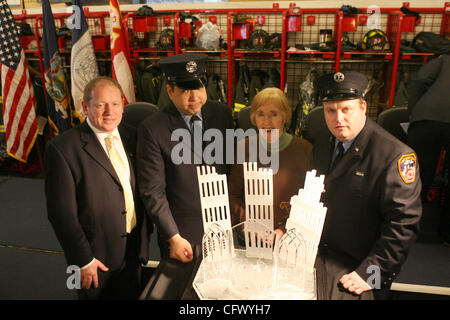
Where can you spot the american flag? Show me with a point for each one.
(19, 103)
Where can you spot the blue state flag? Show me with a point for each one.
(83, 63)
(56, 86)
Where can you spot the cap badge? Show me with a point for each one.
(339, 77)
(191, 66)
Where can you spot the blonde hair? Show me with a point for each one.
(275, 96)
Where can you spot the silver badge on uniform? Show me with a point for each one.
(339, 77)
(191, 66)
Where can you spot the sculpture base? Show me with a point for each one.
(244, 278)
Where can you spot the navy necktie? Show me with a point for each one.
(193, 123)
(339, 156)
(197, 143)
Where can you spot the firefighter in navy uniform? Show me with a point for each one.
(170, 190)
(372, 192)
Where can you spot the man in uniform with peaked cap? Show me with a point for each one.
(187, 71)
(170, 189)
(372, 192)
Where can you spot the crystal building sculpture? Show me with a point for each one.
(267, 268)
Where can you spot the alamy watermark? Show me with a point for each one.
(374, 280)
(74, 280)
(74, 21)
(374, 19)
(226, 149)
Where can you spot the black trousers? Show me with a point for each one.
(428, 138)
(121, 284)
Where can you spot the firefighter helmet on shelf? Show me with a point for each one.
(374, 40)
(259, 40)
(166, 40)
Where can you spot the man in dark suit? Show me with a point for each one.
(92, 199)
(168, 182)
(372, 194)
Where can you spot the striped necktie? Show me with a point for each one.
(120, 169)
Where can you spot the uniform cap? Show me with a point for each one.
(186, 70)
(343, 85)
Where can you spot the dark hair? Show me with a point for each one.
(172, 84)
(98, 82)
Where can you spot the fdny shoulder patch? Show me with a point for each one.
(407, 167)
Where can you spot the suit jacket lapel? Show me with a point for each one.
(355, 152)
(177, 122)
(175, 119)
(209, 120)
(95, 150)
(209, 117)
(347, 161)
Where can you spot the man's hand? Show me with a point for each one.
(354, 283)
(180, 249)
(89, 274)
